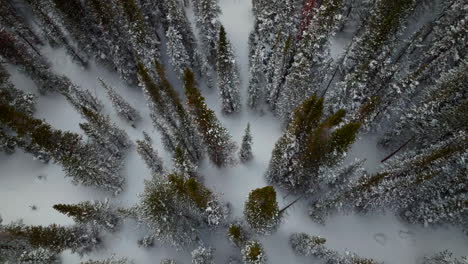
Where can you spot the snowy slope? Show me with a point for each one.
(20, 187)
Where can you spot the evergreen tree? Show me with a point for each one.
(253, 253)
(169, 116)
(106, 136)
(79, 160)
(111, 260)
(237, 235)
(14, 249)
(261, 210)
(219, 144)
(370, 53)
(440, 113)
(168, 261)
(174, 16)
(444, 257)
(312, 50)
(424, 186)
(57, 238)
(178, 56)
(123, 109)
(52, 30)
(183, 165)
(207, 20)
(309, 145)
(307, 245)
(150, 156)
(228, 79)
(97, 213)
(276, 73)
(177, 209)
(245, 153)
(15, 52)
(203, 255)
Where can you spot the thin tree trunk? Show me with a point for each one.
(398, 150)
(291, 204)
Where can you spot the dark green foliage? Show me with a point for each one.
(215, 136)
(261, 210)
(309, 145)
(237, 235)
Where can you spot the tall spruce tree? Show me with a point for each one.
(177, 209)
(218, 142)
(57, 238)
(207, 20)
(202, 255)
(261, 210)
(245, 153)
(98, 213)
(424, 186)
(150, 156)
(169, 115)
(228, 76)
(311, 54)
(306, 245)
(124, 109)
(78, 159)
(311, 142)
(254, 253)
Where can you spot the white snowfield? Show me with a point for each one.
(25, 182)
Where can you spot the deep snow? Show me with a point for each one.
(20, 187)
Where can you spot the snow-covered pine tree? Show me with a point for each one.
(334, 182)
(444, 257)
(178, 56)
(274, 22)
(150, 156)
(228, 76)
(207, 20)
(183, 165)
(103, 132)
(245, 153)
(111, 260)
(169, 116)
(237, 235)
(311, 54)
(79, 160)
(307, 245)
(174, 15)
(309, 144)
(52, 31)
(13, 51)
(15, 250)
(433, 51)
(261, 210)
(57, 238)
(280, 62)
(97, 213)
(178, 209)
(370, 53)
(203, 255)
(15, 21)
(22, 101)
(124, 109)
(218, 142)
(168, 261)
(440, 113)
(254, 253)
(424, 186)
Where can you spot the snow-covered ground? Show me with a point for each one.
(25, 182)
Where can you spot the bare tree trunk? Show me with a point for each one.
(398, 150)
